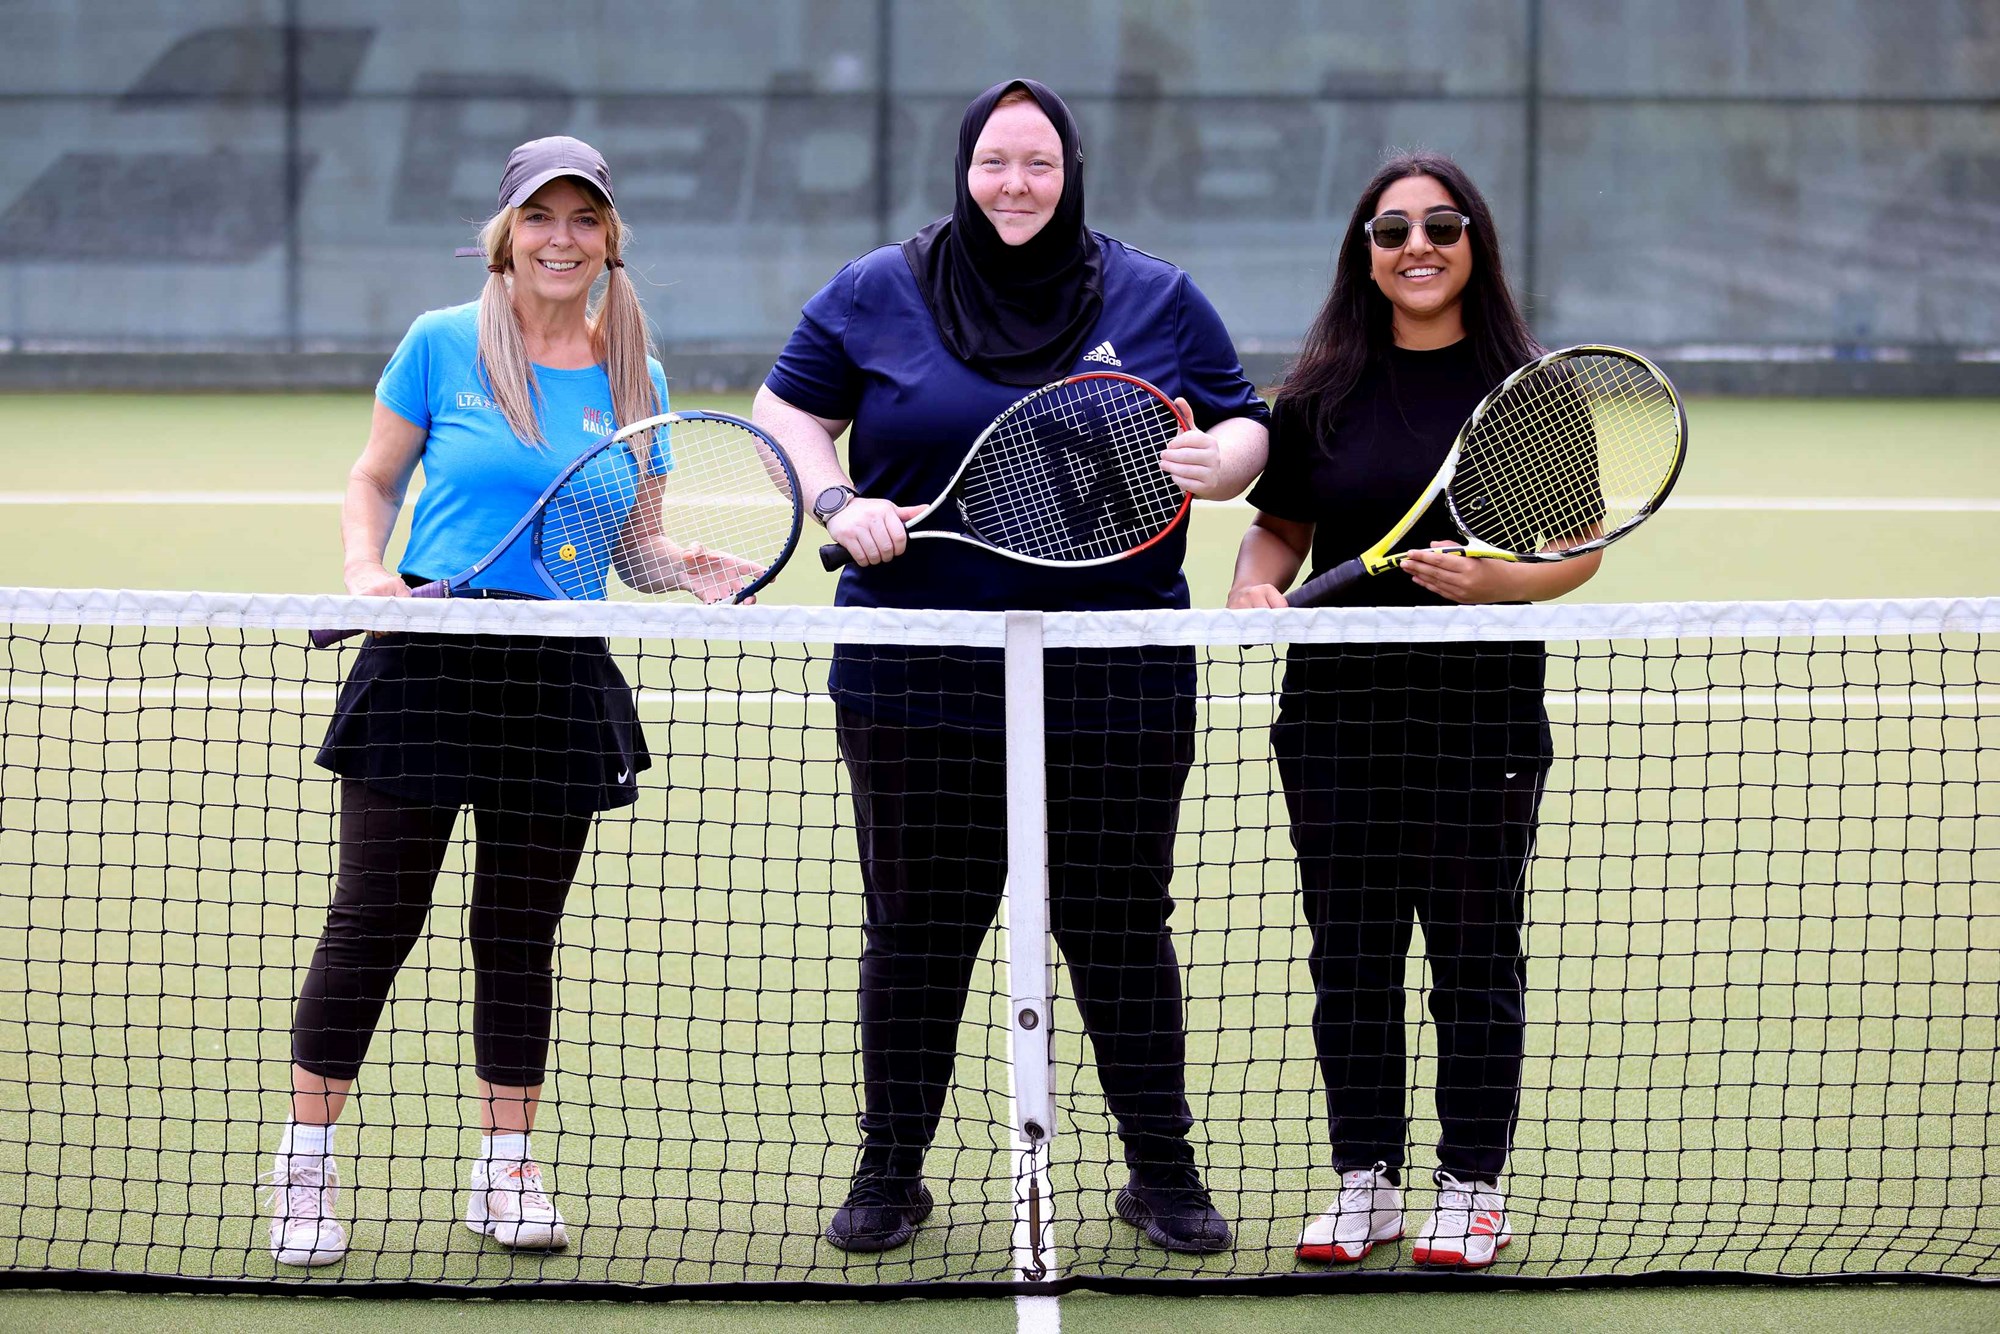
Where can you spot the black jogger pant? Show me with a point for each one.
(1384, 845)
(390, 854)
(930, 815)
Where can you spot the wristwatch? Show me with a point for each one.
(831, 502)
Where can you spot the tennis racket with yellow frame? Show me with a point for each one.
(1566, 456)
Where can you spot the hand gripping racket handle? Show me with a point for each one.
(834, 556)
(1314, 592)
(328, 638)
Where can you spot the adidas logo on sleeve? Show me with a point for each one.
(1104, 354)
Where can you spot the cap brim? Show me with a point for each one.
(523, 193)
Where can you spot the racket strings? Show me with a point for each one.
(698, 508)
(1073, 473)
(1576, 451)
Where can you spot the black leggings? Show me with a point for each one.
(930, 816)
(1381, 847)
(390, 854)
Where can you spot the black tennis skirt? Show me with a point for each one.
(507, 722)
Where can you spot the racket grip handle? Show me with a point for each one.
(437, 588)
(834, 556)
(1315, 591)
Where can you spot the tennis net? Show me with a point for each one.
(1762, 945)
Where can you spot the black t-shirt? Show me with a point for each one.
(1413, 702)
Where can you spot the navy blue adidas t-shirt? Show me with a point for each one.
(866, 350)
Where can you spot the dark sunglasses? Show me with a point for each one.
(1391, 231)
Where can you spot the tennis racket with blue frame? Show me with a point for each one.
(700, 504)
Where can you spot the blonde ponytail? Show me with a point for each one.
(503, 349)
(623, 342)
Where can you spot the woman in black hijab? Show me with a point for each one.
(916, 348)
(1017, 310)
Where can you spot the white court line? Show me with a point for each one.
(1842, 702)
(171, 497)
(1854, 504)
(1037, 1315)
(220, 696)
(281, 498)
(1857, 504)
(1829, 504)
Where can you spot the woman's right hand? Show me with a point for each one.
(373, 579)
(872, 530)
(1257, 595)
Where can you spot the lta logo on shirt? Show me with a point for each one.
(598, 422)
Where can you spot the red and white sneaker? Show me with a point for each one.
(1469, 1227)
(1369, 1209)
(510, 1205)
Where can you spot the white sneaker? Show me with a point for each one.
(509, 1205)
(1369, 1209)
(1469, 1227)
(304, 1190)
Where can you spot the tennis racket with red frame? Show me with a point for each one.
(1069, 475)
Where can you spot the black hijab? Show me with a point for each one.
(1016, 314)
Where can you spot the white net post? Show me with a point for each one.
(1032, 1063)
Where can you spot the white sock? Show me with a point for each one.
(508, 1148)
(306, 1141)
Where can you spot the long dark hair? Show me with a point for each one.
(1353, 331)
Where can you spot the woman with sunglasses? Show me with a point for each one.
(1412, 772)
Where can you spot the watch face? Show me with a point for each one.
(830, 501)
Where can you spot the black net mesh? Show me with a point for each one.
(1755, 985)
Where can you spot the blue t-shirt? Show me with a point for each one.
(866, 350)
(479, 478)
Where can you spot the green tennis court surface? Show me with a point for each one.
(1882, 464)
(206, 453)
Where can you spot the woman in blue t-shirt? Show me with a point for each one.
(1412, 772)
(492, 399)
(913, 349)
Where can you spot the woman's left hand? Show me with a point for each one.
(714, 576)
(1467, 579)
(1193, 458)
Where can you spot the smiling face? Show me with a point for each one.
(559, 243)
(1016, 176)
(1424, 282)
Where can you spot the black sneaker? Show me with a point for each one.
(1171, 1206)
(881, 1213)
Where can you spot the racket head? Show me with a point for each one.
(700, 506)
(1070, 474)
(1568, 454)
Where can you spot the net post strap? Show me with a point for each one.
(1032, 1068)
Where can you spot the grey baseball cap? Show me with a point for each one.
(539, 161)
